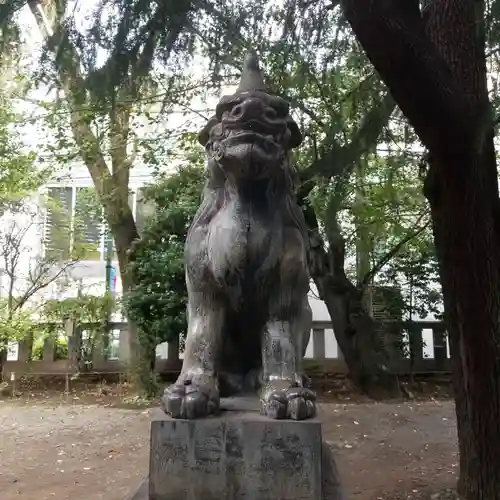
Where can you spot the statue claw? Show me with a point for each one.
(189, 399)
(286, 400)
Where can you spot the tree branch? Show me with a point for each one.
(340, 159)
(111, 188)
(394, 38)
(140, 68)
(73, 85)
(37, 282)
(308, 111)
(394, 251)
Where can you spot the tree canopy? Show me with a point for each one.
(122, 68)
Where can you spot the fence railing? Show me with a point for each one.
(414, 347)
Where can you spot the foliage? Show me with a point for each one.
(89, 315)
(22, 277)
(157, 302)
(414, 271)
(60, 348)
(81, 309)
(388, 235)
(14, 326)
(20, 176)
(19, 179)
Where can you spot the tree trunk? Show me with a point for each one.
(469, 267)
(3, 358)
(435, 68)
(356, 332)
(465, 223)
(364, 242)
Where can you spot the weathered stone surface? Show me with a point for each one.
(142, 492)
(330, 477)
(239, 455)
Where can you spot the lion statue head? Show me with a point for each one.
(252, 133)
(249, 145)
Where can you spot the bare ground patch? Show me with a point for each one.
(53, 449)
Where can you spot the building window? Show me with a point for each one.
(74, 223)
(57, 231)
(88, 224)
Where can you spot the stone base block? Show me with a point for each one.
(142, 492)
(238, 455)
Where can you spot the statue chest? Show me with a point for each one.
(244, 242)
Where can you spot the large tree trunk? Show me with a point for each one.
(436, 71)
(465, 221)
(467, 248)
(357, 333)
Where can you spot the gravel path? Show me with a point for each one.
(58, 452)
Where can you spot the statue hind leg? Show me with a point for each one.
(285, 338)
(196, 392)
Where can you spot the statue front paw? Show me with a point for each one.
(282, 399)
(191, 399)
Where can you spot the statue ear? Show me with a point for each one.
(205, 132)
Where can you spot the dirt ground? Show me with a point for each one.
(57, 449)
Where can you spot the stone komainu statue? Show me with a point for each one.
(246, 264)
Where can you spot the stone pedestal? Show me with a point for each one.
(238, 455)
